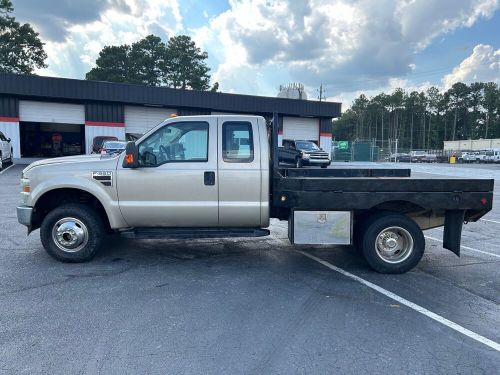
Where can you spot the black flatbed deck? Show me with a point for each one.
(340, 189)
(362, 189)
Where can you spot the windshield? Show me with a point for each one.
(306, 146)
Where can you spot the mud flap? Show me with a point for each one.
(452, 235)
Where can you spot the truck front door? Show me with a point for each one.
(175, 184)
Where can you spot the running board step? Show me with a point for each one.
(162, 233)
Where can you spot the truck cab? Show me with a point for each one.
(194, 172)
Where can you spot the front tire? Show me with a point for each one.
(72, 233)
(392, 243)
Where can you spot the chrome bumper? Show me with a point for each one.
(316, 161)
(24, 214)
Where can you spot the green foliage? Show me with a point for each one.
(112, 65)
(178, 64)
(423, 120)
(215, 87)
(185, 64)
(21, 50)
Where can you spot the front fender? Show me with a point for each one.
(106, 195)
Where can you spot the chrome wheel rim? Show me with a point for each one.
(70, 234)
(394, 245)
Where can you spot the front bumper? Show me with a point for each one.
(316, 161)
(24, 215)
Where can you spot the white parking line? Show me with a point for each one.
(438, 318)
(6, 169)
(490, 221)
(467, 248)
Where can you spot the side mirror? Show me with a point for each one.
(131, 158)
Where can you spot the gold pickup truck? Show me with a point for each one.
(219, 176)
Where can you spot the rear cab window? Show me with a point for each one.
(237, 142)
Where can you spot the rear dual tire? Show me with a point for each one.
(390, 243)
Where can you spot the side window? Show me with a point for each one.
(237, 142)
(174, 143)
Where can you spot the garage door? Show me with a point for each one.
(139, 120)
(301, 128)
(61, 113)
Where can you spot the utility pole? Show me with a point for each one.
(321, 91)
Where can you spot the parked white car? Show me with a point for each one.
(492, 156)
(5, 150)
(473, 156)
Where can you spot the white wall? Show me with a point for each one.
(475, 144)
(325, 142)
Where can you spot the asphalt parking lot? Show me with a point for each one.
(249, 306)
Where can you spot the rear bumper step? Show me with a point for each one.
(165, 233)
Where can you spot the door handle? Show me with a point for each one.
(209, 178)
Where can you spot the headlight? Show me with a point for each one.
(25, 190)
(306, 156)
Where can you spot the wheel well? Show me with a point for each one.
(54, 198)
(425, 218)
(397, 206)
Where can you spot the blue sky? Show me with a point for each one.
(351, 47)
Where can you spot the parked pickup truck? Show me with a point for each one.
(219, 176)
(301, 153)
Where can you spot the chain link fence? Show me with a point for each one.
(373, 150)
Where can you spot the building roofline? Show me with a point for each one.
(40, 87)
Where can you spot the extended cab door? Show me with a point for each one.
(175, 184)
(240, 172)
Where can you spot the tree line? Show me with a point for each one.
(178, 63)
(423, 120)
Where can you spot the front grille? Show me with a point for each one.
(319, 155)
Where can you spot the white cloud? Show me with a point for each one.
(77, 53)
(483, 65)
(353, 45)
(257, 44)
